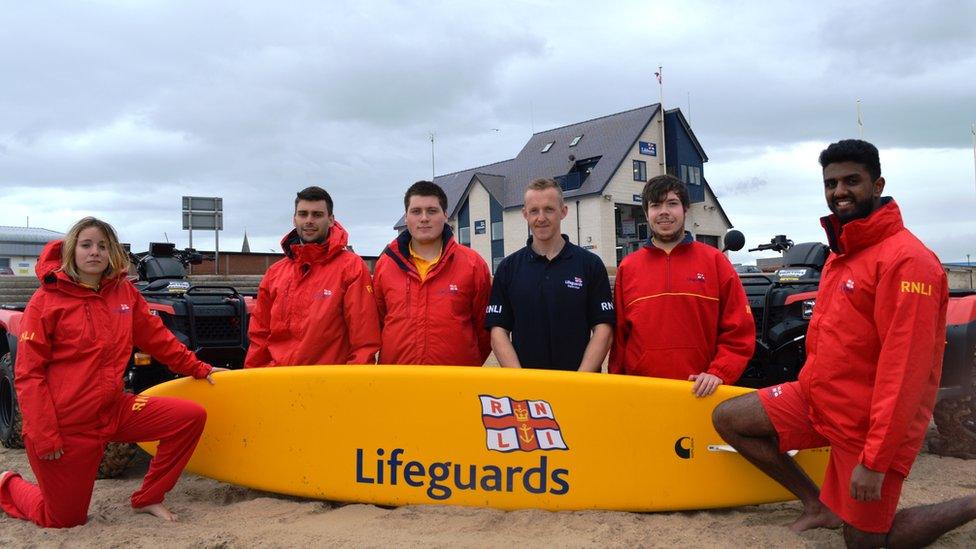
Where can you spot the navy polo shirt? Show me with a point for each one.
(550, 306)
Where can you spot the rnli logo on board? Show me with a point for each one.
(525, 425)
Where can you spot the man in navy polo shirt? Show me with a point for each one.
(551, 305)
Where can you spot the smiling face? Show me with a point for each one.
(850, 191)
(313, 220)
(666, 218)
(425, 219)
(544, 211)
(91, 255)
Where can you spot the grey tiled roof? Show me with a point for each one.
(610, 137)
(28, 235)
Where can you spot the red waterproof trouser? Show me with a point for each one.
(64, 486)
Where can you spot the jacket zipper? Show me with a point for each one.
(91, 322)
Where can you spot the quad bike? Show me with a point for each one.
(782, 304)
(209, 320)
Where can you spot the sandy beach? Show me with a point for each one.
(214, 514)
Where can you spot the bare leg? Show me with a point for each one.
(743, 423)
(917, 526)
(157, 510)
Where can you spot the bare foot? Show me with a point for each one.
(819, 517)
(157, 510)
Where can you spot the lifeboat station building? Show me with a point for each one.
(602, 165)
(20, 246)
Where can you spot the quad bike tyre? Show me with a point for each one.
(10, 418)
(955, 419)
(116, 459)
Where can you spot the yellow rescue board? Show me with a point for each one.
(492, 437)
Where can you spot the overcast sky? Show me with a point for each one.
(119, 108)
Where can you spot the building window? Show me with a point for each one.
(691, 175)
(495, 262)
(577, 174)
(576, 140)
(548, 146)
(709, 239)
(640, 170)
(497, 230)
(464, 224)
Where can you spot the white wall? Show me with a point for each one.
(22, 265)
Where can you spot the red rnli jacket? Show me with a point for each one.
(440, 320)
(73, 349)
(875, 342)
(315, 306)
(681, 314)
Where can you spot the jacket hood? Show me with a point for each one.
(49, 261)
(862, 233)
(399, 249)
(334, 244)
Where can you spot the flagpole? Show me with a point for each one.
(972, 130)
(660, 84)
(860, 123)
(433, 173)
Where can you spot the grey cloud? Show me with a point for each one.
(741, 187)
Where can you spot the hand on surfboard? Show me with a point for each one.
(213, 371)
(705, 384)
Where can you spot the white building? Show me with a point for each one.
(602, 166)
(20, 246)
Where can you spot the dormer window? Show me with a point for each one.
(576, 140)
(548, 146)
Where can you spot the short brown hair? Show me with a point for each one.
(657, 188)
(118, 258)
(425, 188)
(314, 194)
(542, 184)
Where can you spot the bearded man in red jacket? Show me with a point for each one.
(867, 389)
(316, 305)
(681, 310)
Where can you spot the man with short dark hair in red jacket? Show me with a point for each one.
(681, 310)
(431, 291)
(867, 389)
(316, 305)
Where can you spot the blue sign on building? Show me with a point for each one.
(479, 226)
(649, 149)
